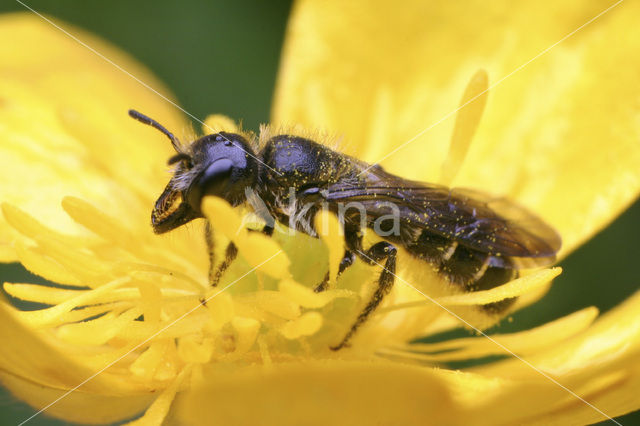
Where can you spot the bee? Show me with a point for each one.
(473, 240)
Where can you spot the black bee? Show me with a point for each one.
(474, 241)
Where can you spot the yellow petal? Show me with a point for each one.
(613, 335)
(599, 364)
(551, 131)
(319, 393)
(79, 406)
(38, 373)
(524, 342)
(84, 143)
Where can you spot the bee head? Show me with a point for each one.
(221, 164)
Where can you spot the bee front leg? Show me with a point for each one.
(230, 254)
(208, 237)
(373, 256)
(347, 260)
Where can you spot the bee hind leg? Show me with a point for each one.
(492, 278)
(473, 271)
(376, 253)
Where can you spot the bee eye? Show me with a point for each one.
(228, 143)
(181, 157)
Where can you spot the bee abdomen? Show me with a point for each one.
(471, 269)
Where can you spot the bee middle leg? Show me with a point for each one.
(376, 253)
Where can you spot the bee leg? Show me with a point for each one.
(230, 254)
(373, 256)
(347, 260)
(208, 237)
(267, 230)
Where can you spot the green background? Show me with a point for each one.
(223, 57)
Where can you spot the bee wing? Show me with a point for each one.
(479, 221)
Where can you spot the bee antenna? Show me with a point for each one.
(153, 123)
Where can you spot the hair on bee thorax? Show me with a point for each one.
(268, 131)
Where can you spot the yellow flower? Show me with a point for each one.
(126, 330)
